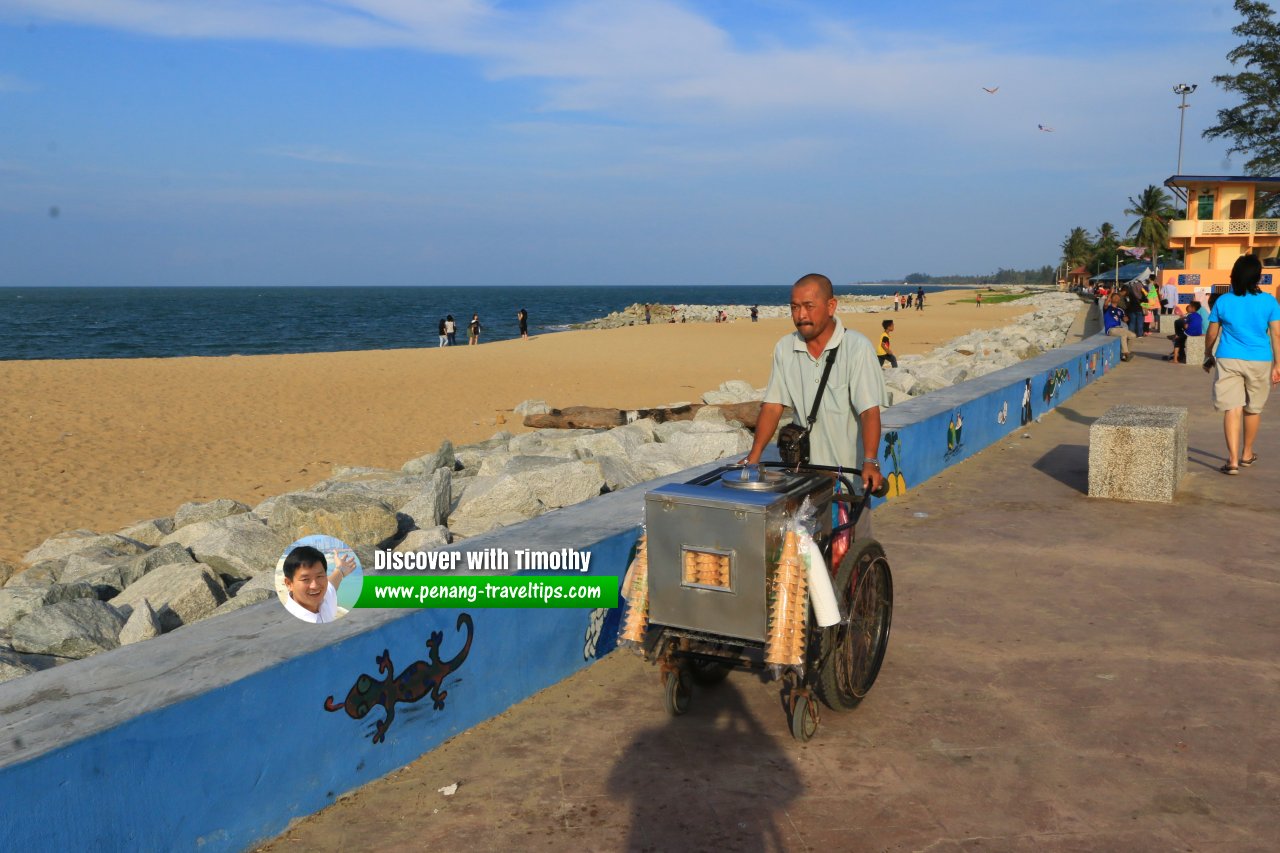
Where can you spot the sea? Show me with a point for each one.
(167, 322)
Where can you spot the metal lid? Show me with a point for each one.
(757, 479)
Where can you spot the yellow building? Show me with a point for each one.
(1219, 228)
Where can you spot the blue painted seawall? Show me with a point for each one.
(215, 737)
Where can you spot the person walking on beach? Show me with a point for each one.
(920, 298)
(978, 299)
(1115, 323)
(451, 330)
(473, 330)
(648, 318)
(884, 351)
(1244, 326)
(847, 429)
(444, 335)
(897, 301)
(755, 313)
(522, 317)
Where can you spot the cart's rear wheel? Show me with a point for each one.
(854, 652)
(678, 690)
(803, 718)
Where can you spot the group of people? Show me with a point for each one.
(904, 302)
(448, 329)
(1241, 328)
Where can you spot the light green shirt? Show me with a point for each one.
(855, 385)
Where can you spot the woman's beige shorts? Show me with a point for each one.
(1239, 383)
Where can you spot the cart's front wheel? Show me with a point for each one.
(853, 652)
(678, 691)
(803, 718)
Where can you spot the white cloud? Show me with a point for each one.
(644, 60)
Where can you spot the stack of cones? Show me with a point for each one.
(637, 595)
(706, 569)
(787, 614)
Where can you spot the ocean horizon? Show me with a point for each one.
(177, 321)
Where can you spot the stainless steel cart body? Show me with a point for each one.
(732, 522)
(713, 515)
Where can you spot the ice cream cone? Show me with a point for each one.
(637, 619)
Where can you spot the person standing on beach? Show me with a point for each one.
(847, 430)
(444, 335)
(897, 301)
(451, 330)
(884, 352)
(755, 313)
(920, 298)
(473, 330)
(978, 299)
(648, 318)
(522, 317)
(1244, 325)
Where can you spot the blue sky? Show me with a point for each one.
(256, 142)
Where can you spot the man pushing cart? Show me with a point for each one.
(746, 566)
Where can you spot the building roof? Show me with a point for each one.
(1128, 272)
(1188, 180)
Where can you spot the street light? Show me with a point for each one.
(1182, 89)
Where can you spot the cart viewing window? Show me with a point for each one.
(708, 569)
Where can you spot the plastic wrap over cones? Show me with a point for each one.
(636, 591)
(790, 608)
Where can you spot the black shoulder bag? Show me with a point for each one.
(793, 439)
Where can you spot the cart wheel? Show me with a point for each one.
(803, 719)
(677, 693)
(854, 652)
(710, 673)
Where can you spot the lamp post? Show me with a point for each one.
(1182, 89)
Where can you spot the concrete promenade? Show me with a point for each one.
(1063, 674)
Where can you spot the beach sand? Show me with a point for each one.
(101, 443)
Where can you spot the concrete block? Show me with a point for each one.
(1195, 350)
(1138, 453)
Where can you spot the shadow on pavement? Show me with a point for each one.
(713, 779)
(1068, 464)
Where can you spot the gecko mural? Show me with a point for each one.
(415, 681)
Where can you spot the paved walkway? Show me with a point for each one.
(1063, 674)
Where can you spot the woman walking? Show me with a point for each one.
(473, 330)
(1245, 327)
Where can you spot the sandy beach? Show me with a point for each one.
(99, 444)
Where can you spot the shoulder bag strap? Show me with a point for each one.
(822, 386)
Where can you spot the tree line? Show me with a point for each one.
(1043, 275)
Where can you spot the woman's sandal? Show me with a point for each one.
(1229, 469)
(1247, 462)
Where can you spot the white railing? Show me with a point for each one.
(1231, 227)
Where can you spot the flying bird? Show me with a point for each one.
(1045, 128)
(991, 91)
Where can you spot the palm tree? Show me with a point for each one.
(1077, 248)
(1154, 209)
(1107, 244)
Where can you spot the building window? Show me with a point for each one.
(1204, 206)
(1237, 208)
